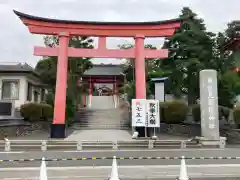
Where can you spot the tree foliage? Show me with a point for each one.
(191, 49)
(152, 70)
(47, 67)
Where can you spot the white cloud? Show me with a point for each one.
(17, 43)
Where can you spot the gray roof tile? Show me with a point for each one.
(104, 70)
(16, 67)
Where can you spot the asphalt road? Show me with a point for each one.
(205, 172)
(152, 169)
(188, 153)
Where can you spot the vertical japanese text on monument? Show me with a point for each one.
(211, 106)
(138, 113)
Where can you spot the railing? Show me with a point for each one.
(54, 145)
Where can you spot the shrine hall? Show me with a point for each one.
(103, 80)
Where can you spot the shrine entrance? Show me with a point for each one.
(64, 29)
(103, 80)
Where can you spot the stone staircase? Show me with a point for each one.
(102, 102)
(99, 119)
(101, 115)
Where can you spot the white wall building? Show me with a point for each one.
(20, 84)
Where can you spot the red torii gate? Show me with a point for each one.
(64, 29)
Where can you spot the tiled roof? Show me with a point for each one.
(104, 70)
(16, 67)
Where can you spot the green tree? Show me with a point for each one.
(190, 51)
(228, 88)
(47, 68)
(152, 70)
(224, 62)
(76, 66)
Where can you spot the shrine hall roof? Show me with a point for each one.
(31, 17)
(104, 70)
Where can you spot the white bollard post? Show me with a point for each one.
(114, 173)
(183, 170)
(44, 146)
(115, 145)
(222, 143)
(79, 146)
(183, 144)
(7, 145)
(43, 170)
(150, 144)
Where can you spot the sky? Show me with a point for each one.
(16, 43)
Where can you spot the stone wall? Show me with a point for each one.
(180, 129)
(232, 135)
(23, 129)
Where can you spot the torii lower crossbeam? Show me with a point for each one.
(101, 53)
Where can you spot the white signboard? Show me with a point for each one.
(138, 112)
(152, 108)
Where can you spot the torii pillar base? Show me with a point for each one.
(58, 131)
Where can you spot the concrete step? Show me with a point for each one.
(98, 124)
(102, 102)
(99, 119)
(100, 127)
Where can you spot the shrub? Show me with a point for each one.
(175, 112)
(196, 113)
(236, 114)
(47, 111)
(162, 105)
(31, 111)
(36, 111)
(224, 111)
(70, 111)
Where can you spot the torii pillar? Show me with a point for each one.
(58, 125)
(140, 67)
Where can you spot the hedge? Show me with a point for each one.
(70, 110)
(222, 111)
(236, 114)
(173, 112)
(36, 111)
(196, 113)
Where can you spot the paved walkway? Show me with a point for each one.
(102, 135)
(93, 135)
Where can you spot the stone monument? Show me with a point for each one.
(209, 104)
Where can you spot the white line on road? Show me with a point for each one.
(149, 150)
(127, 177)
(120, 167)
(12, 152)
(129, 150)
